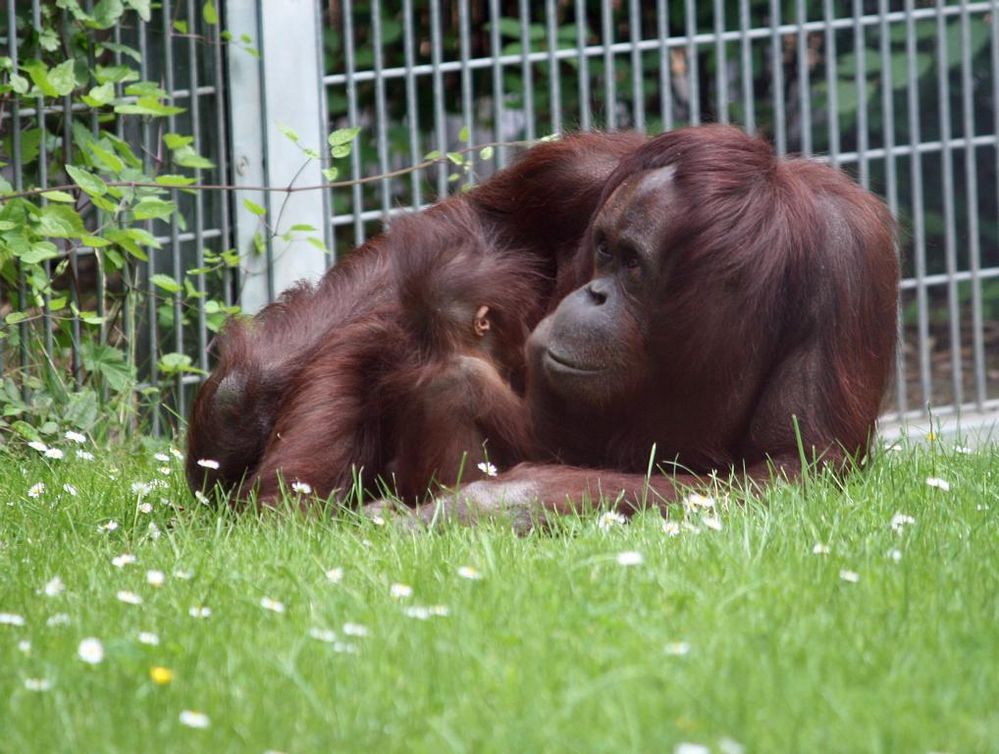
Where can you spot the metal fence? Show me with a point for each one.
(901, 94)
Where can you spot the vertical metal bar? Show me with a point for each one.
(329, 241)
(832, 82)
(665, 65)
(918, 216)
(499, 110)
(357, 198)
(693, 74)
(994, 13)
(891, 186)
(804, 83)
(777, 77)
(439, 123)
(175, 250)
(148, 150)
(412, 106)
(721, 63)
(199, 219)
(950, 234)
(637, 95)
(466, 81)
(860, 81)
(971, 198)
(43, 182)
(15, 140)
(745, 47)
(527, 81)
(610, 84)
(381, 113)
(554, 74)
(583, 72)
(266, 148)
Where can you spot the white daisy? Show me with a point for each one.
(161, 457)
(355, 629)
(470, 573)
(85, 455)
(70, 490)
(302, 488)
(400, 591)
(75, 437)
(678, 648)
(851, 577)
(39, 446)
(895, 554)
(54, 453)
(120, 561)
(91, 651)
(145, 507)
(630, 558)
(689, 748)
(610, 519)
(54, 587)
(820, 549)
(202, 498)
(900, 520)
(322, 634)
(129, 598)
(37, 684)
(208, 463)
(335, 575)
(155, 578)
(940, 484)
(199, 611)
(148, 637)
(37, 489)
(273, 605)
(11, 619)
(24, 646)
(488, 469)
(694, 500)
(193, 719)
(712, 522)
(59, 619)
(671, 528)
(109, 526)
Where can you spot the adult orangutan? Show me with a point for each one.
(405, 358)
(737, 303)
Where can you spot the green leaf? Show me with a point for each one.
(186, 157)
(59, 196)
(166, 283)
(115, 74)
(108, 362)
(92, 184)
(48, 40)
(94, 242)
(457, 158)
(106, 12)
(177, 363)
(341, 151)
(463, 135)
(331, 174)
(142, 7)
(180, 26)
(148, 106)
(100, 95)
(39, 252)
(289, 132)
(14, 317)
(107, 159)
(254, 208)
(153, 208)
(317, 243)
(209, 13)
(434, 155)
(343, 136)
(176, 141)
(125, 241)
(7, 225)
(174, 180)
(143, 237)
(60, 221)
(486, 153)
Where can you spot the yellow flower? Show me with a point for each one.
(161, 676)
(931, 436)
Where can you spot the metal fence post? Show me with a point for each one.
(278, 90)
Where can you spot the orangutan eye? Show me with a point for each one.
(603, 253)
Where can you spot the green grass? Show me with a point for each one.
(557, 647)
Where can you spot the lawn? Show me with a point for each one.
(814, 619)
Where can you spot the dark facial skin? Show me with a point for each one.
(586, 349)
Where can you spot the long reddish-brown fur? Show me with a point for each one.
(769, 334)
(361, 374)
